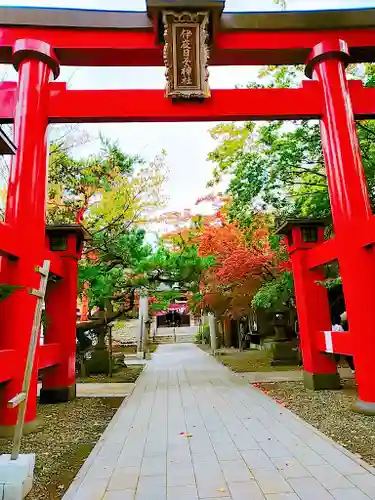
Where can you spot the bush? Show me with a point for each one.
(203, 335)
(98, 364)
(275, 293)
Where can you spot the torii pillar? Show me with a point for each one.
(351, 209)
(26, 214)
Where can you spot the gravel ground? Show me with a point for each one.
(122, 375)
(250, 361)
(329, 411)
(69, 433)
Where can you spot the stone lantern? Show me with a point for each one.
(301, 233)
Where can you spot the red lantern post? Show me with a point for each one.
(313, 310)
(61, 307)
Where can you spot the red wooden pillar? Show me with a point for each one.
(25, 211)
(351, 209)
(61, 307)
(313, 309)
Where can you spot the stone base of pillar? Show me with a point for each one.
(284, 354)
(364, 407)
(57, 395)
(321, 381)
(16, 476)
(29, 427)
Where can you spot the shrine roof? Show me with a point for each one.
(73, 18)
(69, 228)
(129, 20)
(288, 225)
(119, 38)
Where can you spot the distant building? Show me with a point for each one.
(177, 314)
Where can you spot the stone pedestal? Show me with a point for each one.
(321, 381)
(16, 476)
(284, 353)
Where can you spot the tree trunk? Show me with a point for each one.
(101, 332)
(212, 323)
(240, 336)
(110, 370)
(227, 333)
(82, 368)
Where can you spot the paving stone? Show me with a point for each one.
(282, 496)
(151, 487)
(211, 484)
(329, 477)
(308, 488)
(124, 478)
(129, 459)
(100, 471)
(204, 458)
(227, 451)
(154, 466)
(310, 458)
(180, 475)
(182, 493)
(246, 491)
(271, 481)
(146, 482)
(245, 441)
(220, 437)
(257, 459)
(151, 494)
(342, 463)
(365, 482)
(274, 449)
(155, 448)
(236, 471)
(349, 494)
(92, 490)
(290, 467)
(120, 495)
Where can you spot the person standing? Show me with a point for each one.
(342, 326)
(345, 327)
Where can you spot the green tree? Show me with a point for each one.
(113, 195)
(278, 168)
(79, 188)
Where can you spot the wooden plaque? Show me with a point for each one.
(186, 54)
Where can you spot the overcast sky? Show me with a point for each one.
(187, 144)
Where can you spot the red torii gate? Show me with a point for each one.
(38, 41)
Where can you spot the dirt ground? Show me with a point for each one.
(329, 411)
(250, 361)
(123, 375)
(132, 349)
(69, 431)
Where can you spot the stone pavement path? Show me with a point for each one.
(243, 446)
(104, 390)
(285, 376)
